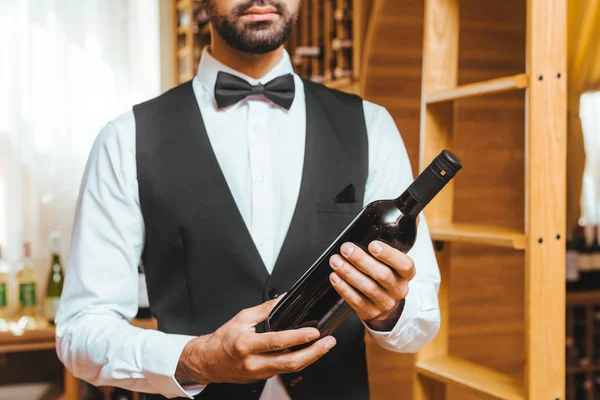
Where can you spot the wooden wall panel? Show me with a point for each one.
(487, 288)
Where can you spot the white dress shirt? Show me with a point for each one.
(260, 149)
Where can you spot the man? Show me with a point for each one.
(227, 188)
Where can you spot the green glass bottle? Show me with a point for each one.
(27, 294)
(56, 279)
(4, 288)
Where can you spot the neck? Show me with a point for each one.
(253, 65)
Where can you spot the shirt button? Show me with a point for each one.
(273, 294)
(256, 127)
(261, 240)
(260, 178)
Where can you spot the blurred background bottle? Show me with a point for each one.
(26, 278)
(4, 292)
(55, 279)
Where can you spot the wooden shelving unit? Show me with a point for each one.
(191, 34)
(43, 337)
(544, 208)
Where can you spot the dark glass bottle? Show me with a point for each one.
(312, 301)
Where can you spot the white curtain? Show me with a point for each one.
(589, 109)
(67, 67)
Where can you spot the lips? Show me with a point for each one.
(264, 13)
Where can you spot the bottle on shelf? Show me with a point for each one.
(307, 51)
(342, 14)
(584, 259)
(595, 257)
(26, 279)
(312, 301)
(340, 73)
(55, 279)
(338, 44)
(4, 292)
(572, 267)
(571, 350)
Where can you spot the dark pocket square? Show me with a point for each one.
(347, 195)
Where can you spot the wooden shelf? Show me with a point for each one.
(591, 297)
(480, 234)
(43, 337)
(505, 84)
(580, 370)
(452, 370)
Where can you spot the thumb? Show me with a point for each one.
(252, 316)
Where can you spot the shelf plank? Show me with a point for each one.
(43, 337)
(480, 234)
(452, 370)
(505, 84)
(591, 297)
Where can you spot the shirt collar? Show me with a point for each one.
(209, 67)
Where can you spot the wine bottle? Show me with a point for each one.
(312, 301)
(27, 285)
(55, 279)
(595, 257)
(340, 73)
(584, 263)
(342, 14)
(572, 267)
(4, 292)
(307, 51)
(340, 44)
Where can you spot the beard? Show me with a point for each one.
(253, 37)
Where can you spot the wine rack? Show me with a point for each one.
(583, 346)
(325, 45)
(192, 33)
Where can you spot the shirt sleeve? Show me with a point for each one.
(94, 337)
(390, 174)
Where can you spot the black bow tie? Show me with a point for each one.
(230, 89)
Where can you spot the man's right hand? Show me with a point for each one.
(235, 353)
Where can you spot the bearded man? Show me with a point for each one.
(226, 189)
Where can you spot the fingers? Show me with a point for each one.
(298, 360)
(250, 317)
(394, 258)
(364, 308)
(366, 285)
(252, 343)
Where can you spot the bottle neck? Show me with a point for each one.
(55, 258)
(409, 205)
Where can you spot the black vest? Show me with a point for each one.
(201, 264)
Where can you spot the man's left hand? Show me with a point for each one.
(374, 285)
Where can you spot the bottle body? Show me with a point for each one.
(312, 301)
(4, 293)
(26, 278)
(56, 280)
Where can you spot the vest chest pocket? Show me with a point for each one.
(332, 219)
(339, 208)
